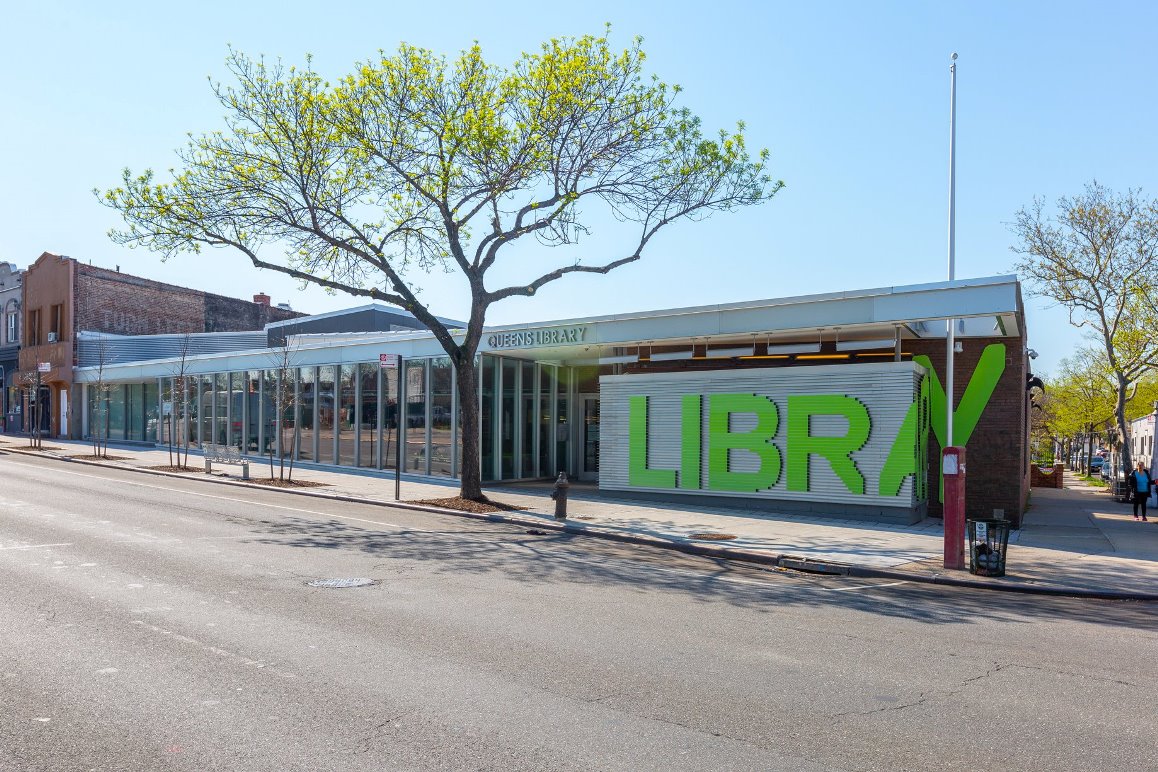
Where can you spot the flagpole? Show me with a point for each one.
(953, 457)
(951, 323)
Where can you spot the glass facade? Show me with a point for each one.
(441, 412)
(350, 415)
(414, 436)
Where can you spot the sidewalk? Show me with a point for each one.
(1074, 541)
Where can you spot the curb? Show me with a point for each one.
(779, 560)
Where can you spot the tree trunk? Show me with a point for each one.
(469, 467)
(1120, 414)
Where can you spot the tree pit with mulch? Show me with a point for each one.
(175, 468)
(94, 457)
(32, 447)
(275, 483)
(470, 505)
(708, 536)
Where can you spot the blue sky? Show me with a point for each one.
(852, 99)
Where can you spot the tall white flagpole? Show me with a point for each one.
(952, 248)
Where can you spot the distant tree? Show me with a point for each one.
(1079, 401)
(1098, 257)
(413, 162)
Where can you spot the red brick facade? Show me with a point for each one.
(63, 296)
(997, 453)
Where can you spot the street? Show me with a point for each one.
(151, 622)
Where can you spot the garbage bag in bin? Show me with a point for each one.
(988, 542)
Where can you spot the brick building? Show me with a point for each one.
(62, 297)
(10, 294)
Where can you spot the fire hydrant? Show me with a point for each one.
(559, 494)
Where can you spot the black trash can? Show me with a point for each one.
(988, 542)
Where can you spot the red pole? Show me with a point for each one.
(953, 468)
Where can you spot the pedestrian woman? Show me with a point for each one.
(1140, 483)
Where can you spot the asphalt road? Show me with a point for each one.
(163, 623)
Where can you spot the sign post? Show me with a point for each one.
(953, 468)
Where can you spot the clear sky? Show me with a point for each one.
(851, 98)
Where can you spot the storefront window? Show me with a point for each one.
(220, 409)
(115, 415)
(390, 413)
(441, 406)
(267, 430)
(415, 436)
(252, 407)
(170, 425)
(327, 407)
(307, 414)
(486, 417)
(150, 412)
(238, 397)
(527, 421)
(562, 419)
(367, 418)
(347, 407)
(205, 400)
(510, 389)
(546, 425)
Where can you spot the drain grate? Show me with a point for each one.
(341, 584)
(536, 532)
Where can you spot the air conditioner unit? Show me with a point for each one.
(52, 337)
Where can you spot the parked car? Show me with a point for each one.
(1096, 464)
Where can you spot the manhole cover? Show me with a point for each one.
(339, 584)
(537, 532)
(712, 536)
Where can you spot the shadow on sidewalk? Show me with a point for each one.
(543, 560)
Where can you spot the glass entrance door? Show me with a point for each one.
(589, 450)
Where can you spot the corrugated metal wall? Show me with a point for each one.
(886, 390)
(133, 348)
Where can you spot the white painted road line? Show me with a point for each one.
(38, 546)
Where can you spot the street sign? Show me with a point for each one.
(389, 361)
(44, 367)
(166, 408)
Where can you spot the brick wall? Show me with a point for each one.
(996, 455)
(1044, 477)
(108, 301)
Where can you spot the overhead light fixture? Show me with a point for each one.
(794, 348)
(619, 360)
(728, 353)
(862, 345)
(666, 356)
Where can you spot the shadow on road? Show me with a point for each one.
(560, 557)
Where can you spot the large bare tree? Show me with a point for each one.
(413, 163)
(1097, 256)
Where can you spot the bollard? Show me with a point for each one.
(559, 494)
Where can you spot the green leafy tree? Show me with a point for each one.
(1079, 401)
(1098, 257)
(413, 163)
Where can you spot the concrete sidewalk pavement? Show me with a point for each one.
(1076, 540)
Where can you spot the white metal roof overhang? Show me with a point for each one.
(986, 307)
